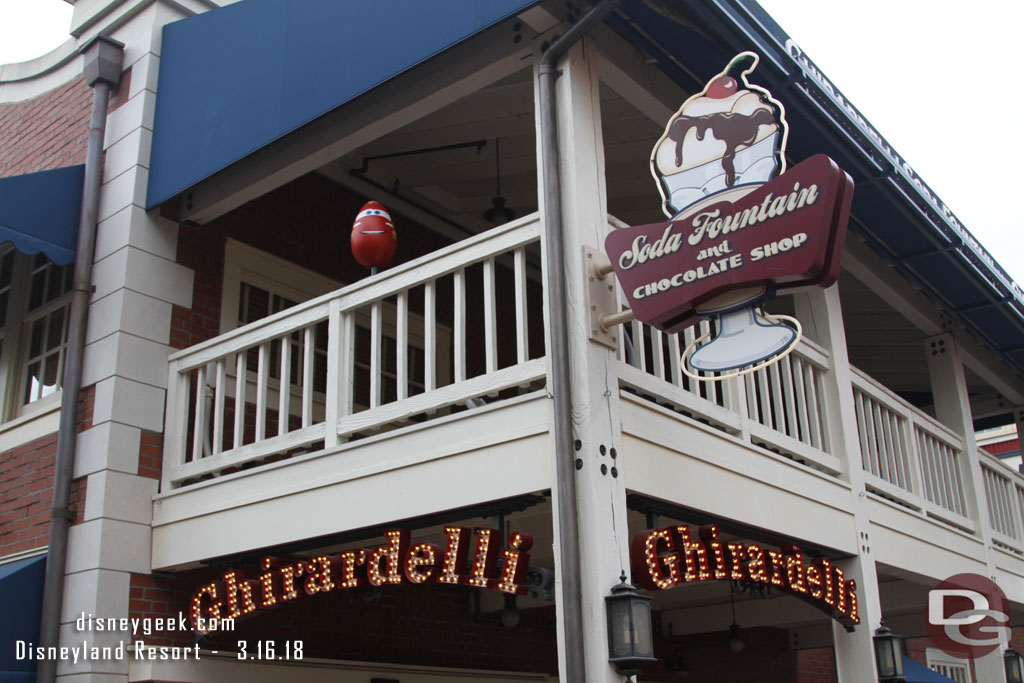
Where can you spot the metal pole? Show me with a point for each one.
(567, 507)
(102, 69)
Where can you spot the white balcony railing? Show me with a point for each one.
(1004, 495)
(908, 456)
(383, 352)
(781, 407)
(447, 331)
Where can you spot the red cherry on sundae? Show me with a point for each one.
(722, 87)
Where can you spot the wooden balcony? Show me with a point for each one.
(431, 379)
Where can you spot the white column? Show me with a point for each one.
(953, 409)
(601, 494)
(137, 282)
(820, 311)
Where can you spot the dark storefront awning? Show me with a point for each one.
(919, 673)
(236, 78)
(39, 212)
(21, 594)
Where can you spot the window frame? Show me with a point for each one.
(937, 658)
(15, 336)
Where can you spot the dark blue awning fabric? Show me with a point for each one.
(39, 212)
(236, 78)
(21, 594)
(919, 673)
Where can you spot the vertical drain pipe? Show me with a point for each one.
(554, 261)
(102, 70)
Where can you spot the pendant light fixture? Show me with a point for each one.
(499, 213)
(735, 639)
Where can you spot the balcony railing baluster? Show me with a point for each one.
(311, 353)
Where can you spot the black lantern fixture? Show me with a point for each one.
(735, 639)
(630, 635)
(499, 213)
(1013, 663)
(888, 654)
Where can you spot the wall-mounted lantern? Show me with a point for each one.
(630, 635)
(888, 654)
(1013, 663)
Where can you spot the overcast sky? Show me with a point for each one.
(893, 59)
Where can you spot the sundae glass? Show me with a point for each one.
(723, 143)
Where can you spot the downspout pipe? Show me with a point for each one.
(102, 70)
(554, 261)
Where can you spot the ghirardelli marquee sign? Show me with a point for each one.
(470, 557)
(741, 228)
(665, 558)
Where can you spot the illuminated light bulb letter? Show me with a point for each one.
(236, 585)
(840, 589)
(266, 579)
(697, 566)
(653, 568)
(795, 575)
(456, 550)
(484, 557)
(756, 564)
(778, 563)
(815, 583)
(737, 553)
(319, 573)
(825, 567)
(420, 562)
(517, 561)
(714, 548)
(851, 592)
(288, 575)
(205, 617)
(390, 554)
(350, 559)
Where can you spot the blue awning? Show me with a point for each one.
(919, 673)
(236, 78)
(39, 212)
(21, 594)
(914, 672)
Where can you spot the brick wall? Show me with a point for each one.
(432, 625)
(52, 130)
(308, 222)
(45, 132)
(816, 666)
(26, 488)
(426, 625)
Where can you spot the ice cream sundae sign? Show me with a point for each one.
(741, 227)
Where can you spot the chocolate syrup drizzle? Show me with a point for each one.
(732, 128)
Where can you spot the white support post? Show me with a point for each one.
(601, 495)
(953, 409)
(854, 651)
(1018, 418)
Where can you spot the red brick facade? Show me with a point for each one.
(307, 222)
(46, 132)
(26, 487)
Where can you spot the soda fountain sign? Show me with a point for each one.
(741, 228)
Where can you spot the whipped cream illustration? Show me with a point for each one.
(729, 135)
